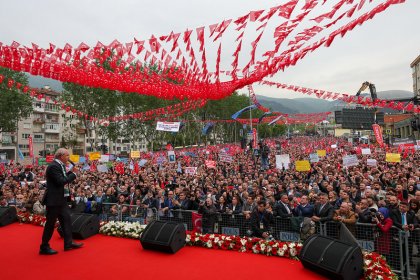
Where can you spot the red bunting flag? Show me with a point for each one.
(154, 44)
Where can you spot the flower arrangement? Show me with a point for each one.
(375, 267)
(28, 218)
(245, 244)
(122, 229)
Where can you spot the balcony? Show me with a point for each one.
(52, 130)
(39, 109)
(38, 120)
(38, 140)
(51, 111)
(51, 120)
(80, 130)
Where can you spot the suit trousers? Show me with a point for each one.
(61, 212)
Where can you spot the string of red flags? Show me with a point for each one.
(347, 98)
(186, 65)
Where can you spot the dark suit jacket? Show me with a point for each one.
(183, 205)
(265, 218)
(238, 209)
(56, 181)
(326, 213)
(281, 211)
(410, 216)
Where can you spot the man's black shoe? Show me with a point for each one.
(73, 246)
(47, 251)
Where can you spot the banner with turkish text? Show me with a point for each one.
(135, 154)
(31, 147)
(350, 160)
(378, 134)
(190, 170)
(210, 163)
(321, 153)
(94, 156)
(302, 165)
(392, 157)
(168, 126)
(282, 161)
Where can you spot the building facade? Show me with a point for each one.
(48, 125)
(415, 67)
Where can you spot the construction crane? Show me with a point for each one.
(372, 90)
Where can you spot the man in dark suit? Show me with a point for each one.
(55, 199)
(406, 221)
(323, 212)
(282, 208)
(261, 220)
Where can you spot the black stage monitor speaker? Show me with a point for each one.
(163, 236)
(332, 258)
(83, 225)
(7, 216)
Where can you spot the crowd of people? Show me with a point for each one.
(386, 194)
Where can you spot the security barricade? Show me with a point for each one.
(398, 247)
(126, 212)
(414, 256)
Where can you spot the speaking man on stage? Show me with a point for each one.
(55, 199)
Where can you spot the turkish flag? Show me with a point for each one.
(136, 169)
(196, 221)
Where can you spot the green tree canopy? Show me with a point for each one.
(14, 105)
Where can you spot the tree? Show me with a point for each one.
(14, 105)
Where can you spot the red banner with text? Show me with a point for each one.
(378, 134)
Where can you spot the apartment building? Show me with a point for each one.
(48, 125)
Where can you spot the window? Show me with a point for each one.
(23, 146)
(53, 126)
(25, 154)
(51, 107)
(26, 125)
(25, 135)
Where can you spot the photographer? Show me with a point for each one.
(384, 224)
(209, 211)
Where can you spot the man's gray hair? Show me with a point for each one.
(60, 152)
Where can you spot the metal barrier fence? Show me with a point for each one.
(127, 213)
(396, 246)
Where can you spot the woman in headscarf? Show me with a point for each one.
(384, 224)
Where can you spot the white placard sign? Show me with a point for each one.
(102, 168)
(371, 162)
(171, 156)
(350, 160)
(366, 151)
(190, 170)
(314, 157)
(104, 158)
(168, 126)
(223, 157)
(282, 161)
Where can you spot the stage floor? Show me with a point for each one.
(106, 257)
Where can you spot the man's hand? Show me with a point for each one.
(315, 218)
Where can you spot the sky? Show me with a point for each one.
(380, 51)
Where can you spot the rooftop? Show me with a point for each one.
(396, 118)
